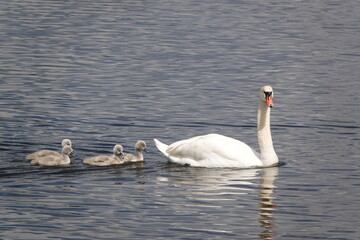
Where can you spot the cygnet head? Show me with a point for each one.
(66, 142)
(267, 95)
(118, 151)
(67, 150)
(140, 146)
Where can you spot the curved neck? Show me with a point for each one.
(268, 155)
(139, 155)
(67, 159)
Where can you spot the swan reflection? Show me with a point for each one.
(266, 205)
(218, 187)
(213, 179)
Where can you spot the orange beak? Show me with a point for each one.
(269, 101)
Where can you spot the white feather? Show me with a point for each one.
(214, 150)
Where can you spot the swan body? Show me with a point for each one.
(215, 150)
(54, 160)
(140, 146)
(103, 160)
(212, 150)
(44, 153)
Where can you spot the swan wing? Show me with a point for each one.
(97, 159)
(128, 157)
(103, 160)
(212, 150)
(51, 160)
(42, 153)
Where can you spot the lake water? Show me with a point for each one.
(108, 72)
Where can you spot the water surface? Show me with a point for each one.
(117, 72)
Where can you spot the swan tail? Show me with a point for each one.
(161, 146)
(30, 157)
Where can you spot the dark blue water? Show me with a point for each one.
(117, 72)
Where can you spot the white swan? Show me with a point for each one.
(102, 160)
(214, 150)
(138, 156)
(54, 160)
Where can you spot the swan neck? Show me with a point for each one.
(268, 155)
(139, 155)
(67, 159)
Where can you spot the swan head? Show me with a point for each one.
(267, 95)
(67, 150)
(141, 146)
(66, 142)
(118, 151)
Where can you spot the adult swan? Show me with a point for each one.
(214, 150)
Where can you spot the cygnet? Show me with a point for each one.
(43, 153)
(140, 146)
(54, 160)
(102, 160)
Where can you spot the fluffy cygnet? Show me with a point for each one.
(66, 142)
(102, 160)
(140, 146)
(43, 153)
(54, 160)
